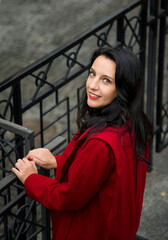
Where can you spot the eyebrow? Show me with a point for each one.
(103, 75)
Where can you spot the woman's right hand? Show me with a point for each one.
(42, 157)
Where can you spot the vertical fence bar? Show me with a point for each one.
(41, 124)
(17, 110)
(17, 106)
(68, 120)
(160, 77)
(46, 234)
(17, 103)
(45, 215)
(143, 34)
(152, 40)
(120, 31)
(152, 58)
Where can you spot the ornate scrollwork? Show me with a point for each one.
(72, 60)
(6, 107)
(7, 150)
(102, 37)
(41, 80)
(22, 221)
(133, 24)
(6, 110)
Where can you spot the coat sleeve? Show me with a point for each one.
(57, 158)
(86, 176)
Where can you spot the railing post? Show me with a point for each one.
(152, 42)
(143, 34)
(17, 110)
(160, 77)
(45, 214)
(17, 104)
(18, 120)
(120, 31)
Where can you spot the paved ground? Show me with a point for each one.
(31, 29)
(154, 220)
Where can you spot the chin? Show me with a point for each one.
(94, 106)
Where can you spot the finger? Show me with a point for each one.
(15, 171)
(17, 165)
(18, 174)
(28, 163)
(30, 158)
(33, 152)
(19, 159)
(20, 164)
(36, 160)
(25, 161)
(29, 154)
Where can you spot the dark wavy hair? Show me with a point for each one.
(127, 106)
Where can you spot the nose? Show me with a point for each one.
(93, 84)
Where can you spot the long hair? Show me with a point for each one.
(125, 107)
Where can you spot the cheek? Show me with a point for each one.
(112, 95)
(87, 83)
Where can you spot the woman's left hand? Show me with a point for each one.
(24, 168)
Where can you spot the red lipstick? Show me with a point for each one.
(93, 96)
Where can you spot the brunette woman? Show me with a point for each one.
(98, 189)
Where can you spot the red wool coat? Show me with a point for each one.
(97, 193)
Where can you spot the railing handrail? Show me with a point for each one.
(24, 132)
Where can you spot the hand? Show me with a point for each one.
(24, 168)
(42, 157)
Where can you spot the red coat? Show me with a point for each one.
(98, 190)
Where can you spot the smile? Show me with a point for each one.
(93, 96)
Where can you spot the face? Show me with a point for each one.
(100, 86)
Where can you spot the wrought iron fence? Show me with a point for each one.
(45, 95)
(20, 216)
(13, 201)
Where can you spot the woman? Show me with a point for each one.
(98, 189)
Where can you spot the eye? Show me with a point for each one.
(106, 80)
(92, 74)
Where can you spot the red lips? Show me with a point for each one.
(93, 96)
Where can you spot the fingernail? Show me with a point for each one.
(31, 158)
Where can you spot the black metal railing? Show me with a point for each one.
(20, 216)
(13, 200)
(48, 88)
(45, 95)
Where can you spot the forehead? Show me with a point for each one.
(104, 65)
